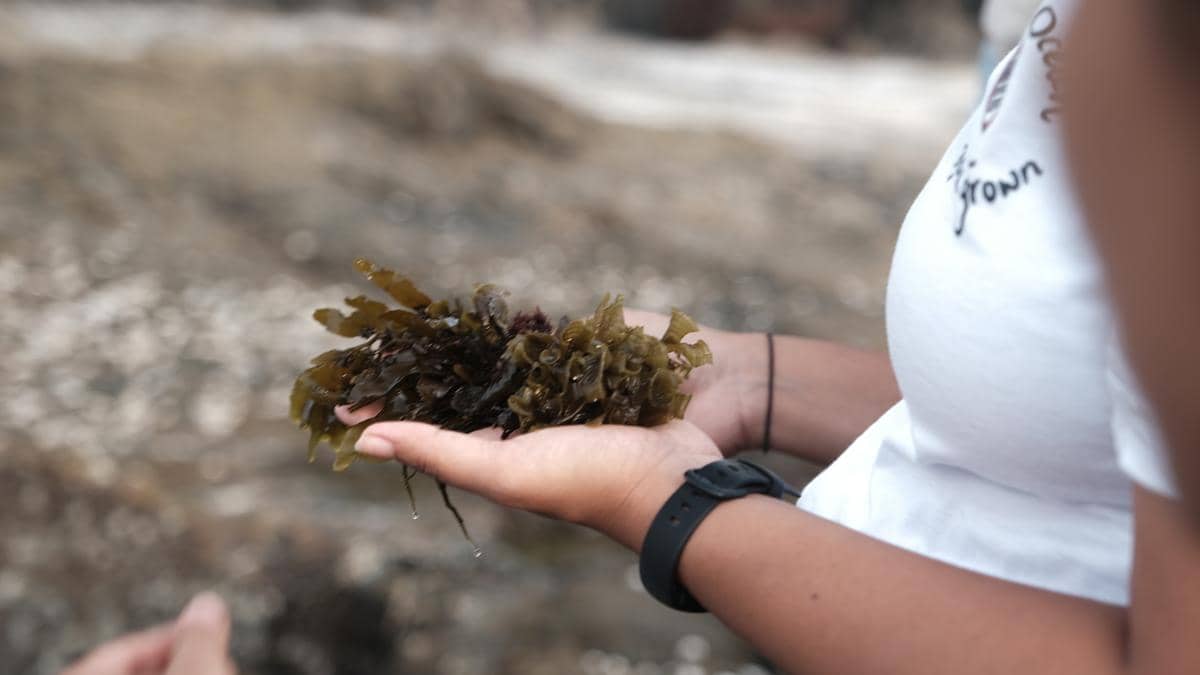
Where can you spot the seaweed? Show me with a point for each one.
(469, 365)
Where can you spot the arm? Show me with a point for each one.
(826, 394)
(1133, 135)
(815, 596)
(854, 605)
(821, 598)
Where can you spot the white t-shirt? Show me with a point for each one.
(1013, 450)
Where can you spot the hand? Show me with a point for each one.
(728, 396)
(197, 643)
(611, 478)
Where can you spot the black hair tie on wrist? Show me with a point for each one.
(770, 391)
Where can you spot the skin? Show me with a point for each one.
(1139, 191)
(825, 393)
(803, 590)
(196, 643)
(817, 597)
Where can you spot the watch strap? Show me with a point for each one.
(703, 490)
(668, 534)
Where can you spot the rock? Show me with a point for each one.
(168, 219)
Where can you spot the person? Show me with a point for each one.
(999, 498)
(196, 643)
(1015, 486)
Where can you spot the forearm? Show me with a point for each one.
(817, 597)
(825, 395)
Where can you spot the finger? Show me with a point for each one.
(146, 650)
(489, 434)
(468, 461)
(352, 417)
(201, 643)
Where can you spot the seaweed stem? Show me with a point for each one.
(408, 473)
(461, 525)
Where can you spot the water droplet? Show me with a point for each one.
(416, 516)
(478, 552)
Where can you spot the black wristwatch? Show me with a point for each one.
(703, 490)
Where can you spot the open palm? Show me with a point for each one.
(612, 478)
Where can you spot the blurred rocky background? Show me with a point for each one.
(182, 184)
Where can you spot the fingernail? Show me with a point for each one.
(374, 446)
(206, 607)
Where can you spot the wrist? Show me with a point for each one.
(631, 504)
(705, 489)
(629, 525)
(749, 376)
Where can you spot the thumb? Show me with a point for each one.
(467, 461)
(201, 643)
